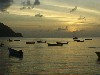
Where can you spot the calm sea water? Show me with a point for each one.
(75, 58)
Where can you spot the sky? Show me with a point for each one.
(82, 22)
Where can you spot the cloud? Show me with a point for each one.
(4, 4)
(37, 2)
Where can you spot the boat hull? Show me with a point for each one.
(62, 42)
(55, 44)
(88, 39)
(41, 41)
(30, 42)
(15, 53)
(98, 54)
(16, 40)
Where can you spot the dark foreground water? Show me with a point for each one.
(76, 58)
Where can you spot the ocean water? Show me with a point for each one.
(75, 58)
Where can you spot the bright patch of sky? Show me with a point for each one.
(56, 13)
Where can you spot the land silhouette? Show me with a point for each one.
(6, 31)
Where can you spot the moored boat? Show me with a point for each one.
(98, 54)
(15, 53)
(62, 42)
(80, 40)
(88, 39)
(76, 40)
(30, 42)
(41, 41)
(54, 44)
(75, 37)
(16, 40)
(38, 15)
(1, 45)
(9, 40)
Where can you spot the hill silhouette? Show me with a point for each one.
(6, 31)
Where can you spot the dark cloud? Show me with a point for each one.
(37, 2)
(4, 4)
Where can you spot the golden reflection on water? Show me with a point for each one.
(74, 58)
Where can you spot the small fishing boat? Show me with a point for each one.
(88, 39)
(10, 40)
(76, 40)
(16, 40)
(41, 41)
(54, 44)
(75, 37)
(30, 42)
(1, 45)
(91, 47)
(80, 40)
(62, 42)
(98, 54)
(15, 53)
(38, 15)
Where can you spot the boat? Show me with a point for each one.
(1, 45)
(10, 40)
(75, 37)
(54, 44)
(88, 39)
(98, 54)
(92, 47)
(15, 53)
(38, 15)
(80, 40)
(76, 40)
(41, 41)
(16, 40)
(63, 29)
(62, 42)
(30, 42)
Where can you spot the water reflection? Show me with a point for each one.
(74, 58)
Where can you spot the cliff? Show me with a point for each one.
(6, 31)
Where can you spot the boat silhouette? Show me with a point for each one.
(30, 42)
(88, 39)
(98, 54)
(1, 45)
(9, 40)
(60, 29)
(74, 37)
(54, 44)
(41, 41)
(15, 53)
(16, 40)
(80, 40)
(62, 42)
(38, 15)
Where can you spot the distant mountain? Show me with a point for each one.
(6, 31)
